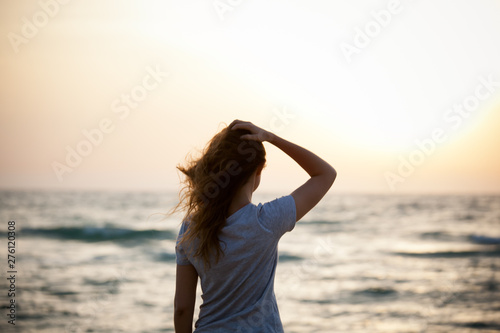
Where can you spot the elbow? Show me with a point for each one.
(180, 316)
(332, 175)
(327, 175)
(180, 310)
(182, 321)
(178, 313)
(183, 309)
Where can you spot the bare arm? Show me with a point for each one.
(185, 298)
(322, 175)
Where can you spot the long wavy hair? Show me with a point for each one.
(211, 182)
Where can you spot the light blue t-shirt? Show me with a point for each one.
(238, 291)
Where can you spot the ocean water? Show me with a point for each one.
(98, 262)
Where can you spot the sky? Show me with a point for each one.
(399, 96)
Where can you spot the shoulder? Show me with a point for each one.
(278, 214)
(184, 226)
(183, 229)
(277, 206)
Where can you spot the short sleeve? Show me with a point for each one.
(180, 253)
(278, 215)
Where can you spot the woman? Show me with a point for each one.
(230, 243)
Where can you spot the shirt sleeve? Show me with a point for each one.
(180, 253)
(279, 215)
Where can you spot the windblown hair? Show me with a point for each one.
(211, 182)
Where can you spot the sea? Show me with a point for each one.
(103, 261)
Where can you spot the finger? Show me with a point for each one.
(252, 137)
(241, 125)
(236, 121)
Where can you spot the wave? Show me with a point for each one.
(289, 257)
(450, 254)
(444, 236)
(480, 325)
(320, 222)
(166, 257)
(376, 292)
(484, 239)
(441, 236)
(96, 234)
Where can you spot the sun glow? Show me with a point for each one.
(246, 62)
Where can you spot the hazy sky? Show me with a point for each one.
(399, 96)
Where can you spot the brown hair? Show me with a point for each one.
(211, 182)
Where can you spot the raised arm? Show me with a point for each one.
(322, 175)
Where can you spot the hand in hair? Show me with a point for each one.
(322, 175)
(257, 133)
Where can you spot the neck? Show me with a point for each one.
(242, 198)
